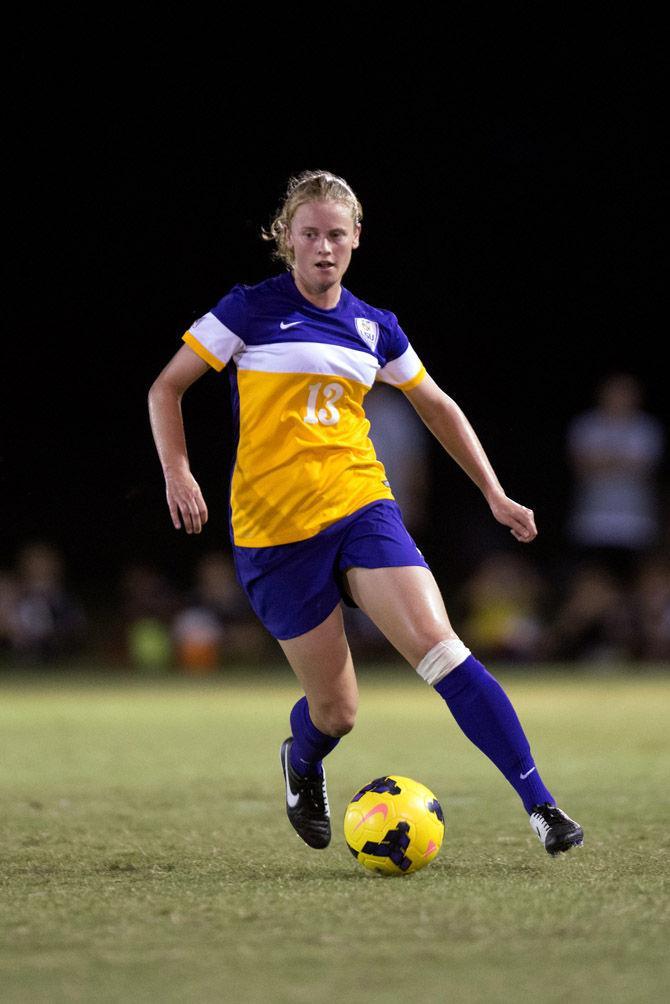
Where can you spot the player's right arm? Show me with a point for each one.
(184, 497)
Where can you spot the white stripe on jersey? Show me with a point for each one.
(402, 369)
(216, 337)
(310, 357)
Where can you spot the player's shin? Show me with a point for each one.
(485, 714)
(309, 744)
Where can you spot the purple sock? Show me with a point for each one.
(309, 744)
(485, 714)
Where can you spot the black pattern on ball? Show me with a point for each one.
(393, 846)
(381, 786)
(435, 807)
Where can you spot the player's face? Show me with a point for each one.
(322, 236)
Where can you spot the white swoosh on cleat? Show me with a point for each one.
(290, 797)
(527, 774)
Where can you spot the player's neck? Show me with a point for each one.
(325, 299)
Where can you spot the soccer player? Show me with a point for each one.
(312, 516)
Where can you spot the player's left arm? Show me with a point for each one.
(451, 428)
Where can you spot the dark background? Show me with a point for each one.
(511, 184)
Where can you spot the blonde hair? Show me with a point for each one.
(308, 186)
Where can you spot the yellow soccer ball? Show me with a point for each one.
(394, 825)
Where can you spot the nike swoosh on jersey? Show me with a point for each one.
(291, 324)
(290, 797)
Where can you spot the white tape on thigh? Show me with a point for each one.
(441, 659)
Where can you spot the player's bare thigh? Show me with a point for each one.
(322, 662)
(406, 605)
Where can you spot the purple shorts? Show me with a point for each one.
(294, 587)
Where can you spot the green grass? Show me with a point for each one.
(146, 855)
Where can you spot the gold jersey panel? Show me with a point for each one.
(304, 458)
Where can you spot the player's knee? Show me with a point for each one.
(337, 719)
(439, 660)
(342, 722)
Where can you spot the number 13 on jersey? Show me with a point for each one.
(328, 414)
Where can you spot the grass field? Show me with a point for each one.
(146, 855)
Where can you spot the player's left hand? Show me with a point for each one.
(518, 518)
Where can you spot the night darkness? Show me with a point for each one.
(510, 208)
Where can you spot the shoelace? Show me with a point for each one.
(312, 788)
(550, 813)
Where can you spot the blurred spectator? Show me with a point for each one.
(615, 450)
(651, 604)
(503, 608)
(147, 593)
(594, 623)
(43, 620)
(8, 595)
(401, 442)
(149, 602)
(217, 625)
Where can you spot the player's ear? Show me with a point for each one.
(357, 236)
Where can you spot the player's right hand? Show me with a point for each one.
(185, 500)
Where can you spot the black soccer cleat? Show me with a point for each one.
(306, 802)
(556, 830)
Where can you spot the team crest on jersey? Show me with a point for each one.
(368, 330)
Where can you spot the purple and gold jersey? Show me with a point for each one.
(299, 374)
